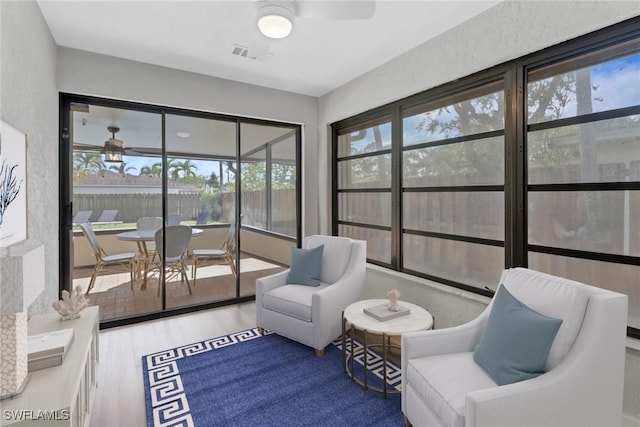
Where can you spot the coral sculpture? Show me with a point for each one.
(394, 296)
(71, 304)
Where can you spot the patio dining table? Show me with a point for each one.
(141, 237)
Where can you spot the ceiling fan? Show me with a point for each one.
(275, 19)
(114, 149)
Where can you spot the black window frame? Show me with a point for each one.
(514, 75)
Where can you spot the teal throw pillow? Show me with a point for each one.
(306, 265)
(516, 340)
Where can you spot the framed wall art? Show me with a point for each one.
(13, 185)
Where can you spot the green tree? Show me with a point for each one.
(181, 169)
(88, 163)
(122, 168)
(253, 176)
(155, 170)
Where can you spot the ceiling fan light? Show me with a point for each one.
(113, 151)
(112, 157)
(275, 22)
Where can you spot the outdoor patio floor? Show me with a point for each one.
(113, 294)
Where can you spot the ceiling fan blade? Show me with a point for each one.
(336, 10)
(86, 147)
(136, 151)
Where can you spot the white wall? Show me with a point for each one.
(106, 76)
(507, 31)
(29, 102)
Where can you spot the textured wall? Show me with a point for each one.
(29, 102)
(507, 31)
(100, 75)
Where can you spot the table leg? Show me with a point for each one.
(344, 347)
(352, 355)
(146, 265)
(364, 332)
(384, 364)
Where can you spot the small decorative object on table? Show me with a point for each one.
(71, 304)
(394, 296)
(388, 311)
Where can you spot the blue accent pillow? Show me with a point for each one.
(306, 265)
(516, 340)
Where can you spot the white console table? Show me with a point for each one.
(61, 395)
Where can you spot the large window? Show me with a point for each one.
(533, 163)
(364, 186)
(583, 162)
(452, 187)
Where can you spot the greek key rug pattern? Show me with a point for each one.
(374, 362)
(169, 404)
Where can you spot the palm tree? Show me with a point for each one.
(122, 168)
(184, 169)
(155, 170)
(88, 162)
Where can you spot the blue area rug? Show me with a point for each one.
(246, 379)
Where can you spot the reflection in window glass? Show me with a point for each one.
(366, 172)
(601, 87)
(478, 162)
(589, 152)
(616, 277)
(253, 172)
(367, 140)
(473, 214)
(467, 117)
(283, 187)
(378, 241)
(203, 181)
(365, 208)
(469, 263)
(268, 178)
(597, 221)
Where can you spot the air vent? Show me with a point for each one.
(243, 51)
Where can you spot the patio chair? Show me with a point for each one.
(203, 218)
(148, 249)
(107, 216)
(226, 253)
(123, 262)
(81, 217)
(177, 240)
(173, 219)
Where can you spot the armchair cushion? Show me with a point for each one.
(516, 341)
(335, 258)
(306, 265)
(292, 300)
(554, 297)
(444, 381)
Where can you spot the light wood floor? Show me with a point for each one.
(119, 399)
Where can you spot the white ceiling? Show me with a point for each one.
(199, 36)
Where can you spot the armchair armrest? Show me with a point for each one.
(329, 302)
(457, 339)
(566, 395)
(264, 285)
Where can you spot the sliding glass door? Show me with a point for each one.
(132, 169)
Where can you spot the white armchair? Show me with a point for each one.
(312, 315)
(584, 375)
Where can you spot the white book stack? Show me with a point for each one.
(48, 349)
(382, 312)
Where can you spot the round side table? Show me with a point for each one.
(354, 318)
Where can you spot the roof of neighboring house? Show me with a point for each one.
(110, 178)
